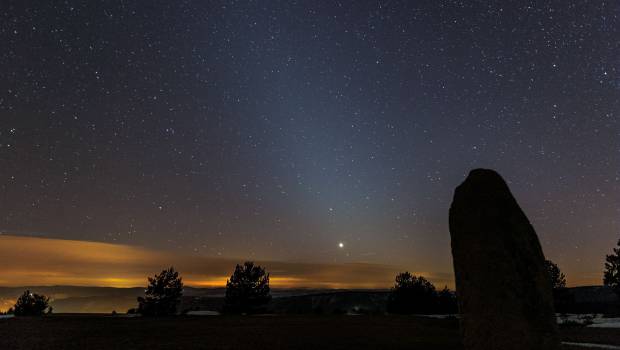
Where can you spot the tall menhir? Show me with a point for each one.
(503, 289)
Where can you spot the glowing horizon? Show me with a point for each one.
(48, 262)
(83, 263)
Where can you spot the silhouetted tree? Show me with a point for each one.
(412, 294)
(561, 296)
(247, 290)
(446, 302)
(162, 295)
(30, 304)
(558, 280)
(611, 276)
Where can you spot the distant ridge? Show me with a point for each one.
(78, 299)
(81, 299)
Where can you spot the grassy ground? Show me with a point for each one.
(236, 332)
(266, 332)
(607, 336)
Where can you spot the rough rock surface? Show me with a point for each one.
(504, 294)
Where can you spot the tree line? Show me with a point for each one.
(247, 291)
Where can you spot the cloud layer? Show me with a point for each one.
(41, 261)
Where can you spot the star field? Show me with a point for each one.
(308, 131)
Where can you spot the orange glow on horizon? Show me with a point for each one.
(30, 261)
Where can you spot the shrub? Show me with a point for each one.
(31, 304)
(412, 294)
(247, 290)
(558, 280)
(446, 302)
(162, 295)
(611, 277)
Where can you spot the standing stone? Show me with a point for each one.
(503, 290)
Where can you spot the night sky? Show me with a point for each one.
(301, 131)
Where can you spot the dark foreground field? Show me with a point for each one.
(257, 332)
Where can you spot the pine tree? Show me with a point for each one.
(412, 294)
(611, 276)
(31, 304)
(162, 295)
(558, 279)
(247, 290)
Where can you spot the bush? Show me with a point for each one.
(412, 294)
(162, 295)
(446, 302)
(31, 304)
(558, 280)
(611, 277)
(247, 290)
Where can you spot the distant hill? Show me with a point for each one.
(72, 299)
(334, 302)
(307, 302)
(593, 294)
(589, 299)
